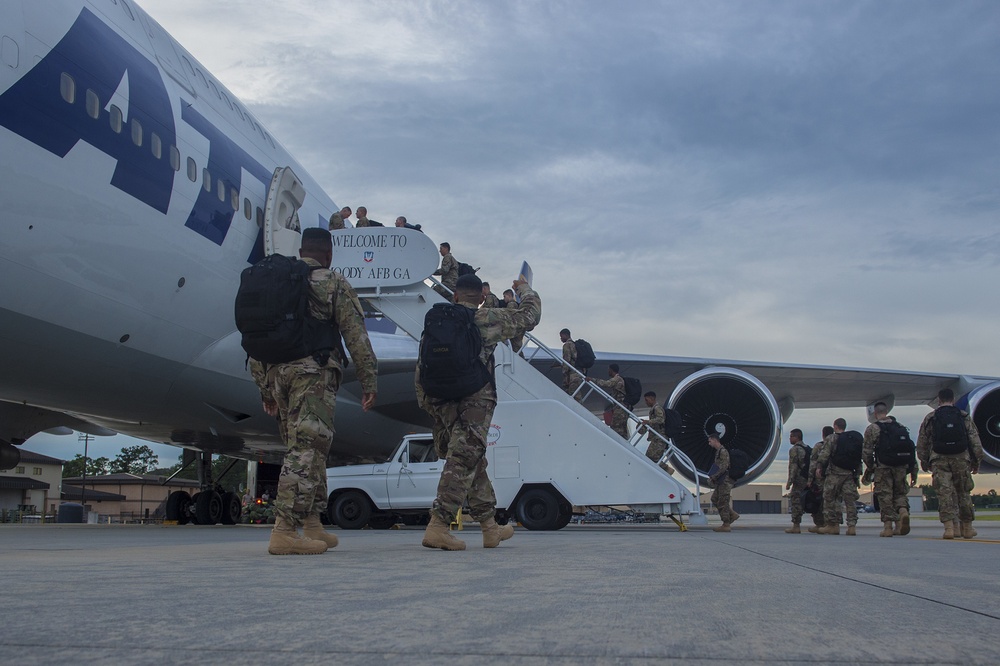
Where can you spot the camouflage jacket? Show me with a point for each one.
(499, 324)
(721, 463)
(656, 418)
(614, 385)
(925, 441)
(818, 449)
(448, 271)
(569, 355)
(796, 457)
(492, 301)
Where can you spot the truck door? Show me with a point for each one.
(414, 475)
(282, 232)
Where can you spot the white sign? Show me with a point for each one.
(383, 256)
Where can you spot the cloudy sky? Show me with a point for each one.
(778, 181)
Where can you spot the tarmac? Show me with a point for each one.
(601, 594)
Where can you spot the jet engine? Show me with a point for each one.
(984, 406)
(733, 404)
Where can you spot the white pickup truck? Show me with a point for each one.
(542, 459)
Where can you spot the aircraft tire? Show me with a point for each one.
(232, 508)
(178, 503)
(208, 507)
(352, 510)
(538, 509)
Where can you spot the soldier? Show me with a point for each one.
(655, 423)
(336, 222)
(615, 386)
(719, 477)
(840, 482)
(401, 222)
(571, 378)
(815, 486)
(798, 479)
(890, 481)
(448, 272)
(948, 446)
(509, 301)
(345, 214)
(490, 299)
(302, 394)
(461, 426)
(362, 217)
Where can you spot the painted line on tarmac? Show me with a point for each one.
(862, 582)
(957, 540)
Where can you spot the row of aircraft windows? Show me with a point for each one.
(67, 88)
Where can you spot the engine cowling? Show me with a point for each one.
(734, 404)
(983, 404)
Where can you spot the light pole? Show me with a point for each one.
(85, 438)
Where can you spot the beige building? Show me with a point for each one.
(125, 497)
(753, 498)
(33, 486)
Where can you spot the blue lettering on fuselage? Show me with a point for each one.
(97, 58)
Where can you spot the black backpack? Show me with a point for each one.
(272, 313)
(847, 450)
(633, 391)
(739, 463)
(950, 436)
(804, 468)
(450, 368)
(812, 499)
(672, 422)
(894, 447)
(466, 269)
(585, 358)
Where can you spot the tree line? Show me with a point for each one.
(141, 459)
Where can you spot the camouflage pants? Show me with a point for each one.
(953, 482)
(571, 381)
(460, 432)
(795, 500)
(722, 499)
(619, 422)
(306, 395)
(891, 488)
(656, 448)
(839, 487)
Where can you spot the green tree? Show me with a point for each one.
(95, 466)
(236, 477)
(138, 459)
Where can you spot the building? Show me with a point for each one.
(753, 498)
(125, 497)
(33, 486)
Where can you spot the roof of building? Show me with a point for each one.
(126, 479)
(38, 458)
(21, 483)
(75, 494)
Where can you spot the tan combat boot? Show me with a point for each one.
(851, 531)
(896, 529)
(949, 530)
(733, 516)
(904, 522)
(967, 531)
(815, 529)
(493, 533)
(794, 529)
(830, 529)
(724, 527)
(886, 529)
(286, 541)
(312, 528)
(437, 536)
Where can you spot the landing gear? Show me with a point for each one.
(208, 507)
(232, 507)
(178, 507)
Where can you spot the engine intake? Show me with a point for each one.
(738, 407)
(984, 406)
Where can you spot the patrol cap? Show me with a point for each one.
(469, 283)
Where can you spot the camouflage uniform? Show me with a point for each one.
(951, 473)
(798, 482)
(571, 380)
(461, 426)
(818, 516)
(722, 495)
(336, 222)
(362, 222)
(890, 486)
(491, 301)
(838, 485)
(517, 341)
(615, 386)
(306, 395)
(657, 420)
(449, 275)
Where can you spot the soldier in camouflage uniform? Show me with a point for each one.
(655, 423)
(362, 218)
(615, 386)
(797, 479)
(490, 299)
(890, 482)
(336, 222)
(839, 485)
(722, 495)
(571, 378)
(952, 473)
(509, 301)
(813, 484)
(303, 394)
(461, 426)
(448, 272)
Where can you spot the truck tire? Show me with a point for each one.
(538, 509)
(352, 510)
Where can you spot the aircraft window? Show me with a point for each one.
(128, 10)
(175, 158)
(192, 170)
(155, 145)
(67, 88)
(115, 118)
(187, 63)
(136, 132)
(234, 198)
(221, 190)
(260, 217)
(215, 89)
(247, 209)
(206, 180)
(93, 104)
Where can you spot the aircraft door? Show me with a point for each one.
(282, 233)
(414, 477)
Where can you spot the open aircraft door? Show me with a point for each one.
(282, 233)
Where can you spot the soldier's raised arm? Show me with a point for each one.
(350, 319)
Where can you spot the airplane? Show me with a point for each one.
(137, 187)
